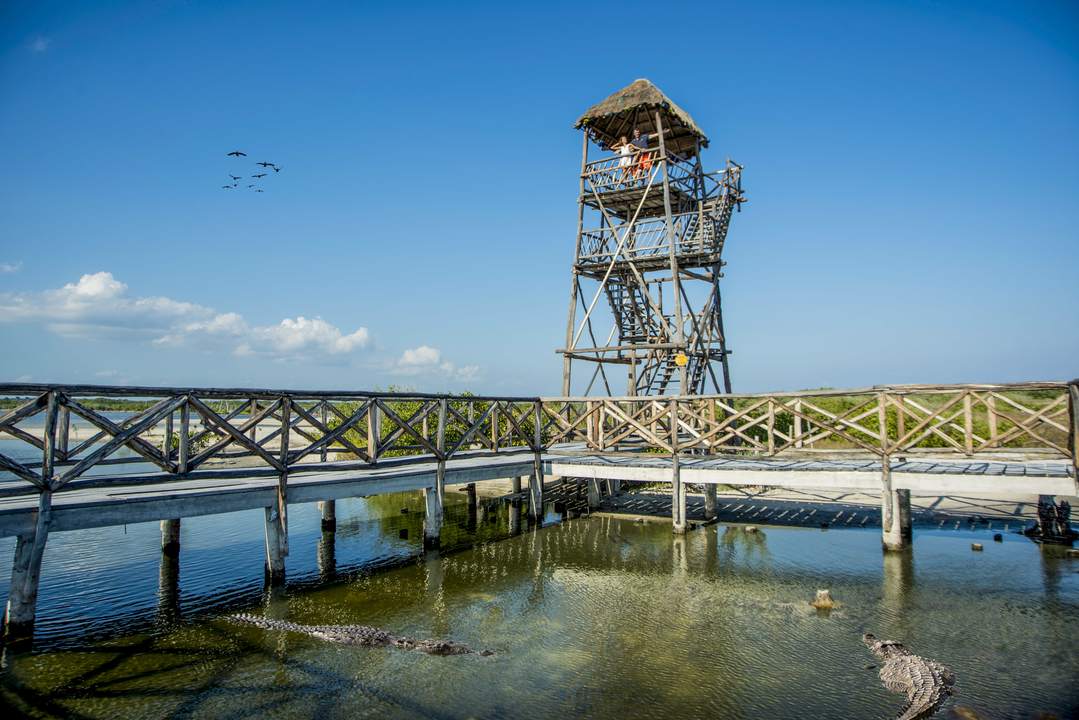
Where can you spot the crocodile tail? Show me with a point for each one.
(929, 691)
(267, 623)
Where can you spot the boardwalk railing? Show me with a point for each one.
(53, 437)
(968, 420)
(61, 440)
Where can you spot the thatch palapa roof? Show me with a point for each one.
(634, 106)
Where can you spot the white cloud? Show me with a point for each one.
(302, 336)
(40, 44)
(426, 360)
(98, 305)
(6, 268)
(423, 356)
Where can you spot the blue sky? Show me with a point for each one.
(912, 172)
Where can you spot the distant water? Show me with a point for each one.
(593, 617)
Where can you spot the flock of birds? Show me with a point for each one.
(266, 166)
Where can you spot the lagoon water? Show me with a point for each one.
(592, 617)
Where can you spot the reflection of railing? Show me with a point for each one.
(616, 173)
(695, 232)
(940, 419)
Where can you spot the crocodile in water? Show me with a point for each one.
(926, 683)
(360, 635)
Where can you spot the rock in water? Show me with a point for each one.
(359, 635)
(824, 600)
(926, 683)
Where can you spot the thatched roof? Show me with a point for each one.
(634, 106)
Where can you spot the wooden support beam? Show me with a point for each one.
(432, 519)
(170, 537)
(21, 608)
(327, 554)
(275, 557)
(328, 511)
(594, 493)
(710, 501)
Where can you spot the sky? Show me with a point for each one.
(912, 174)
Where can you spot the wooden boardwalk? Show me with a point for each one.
(243, 489)
(923, 476)
(195, 451)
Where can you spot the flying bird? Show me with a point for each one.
(260, 191)
(237, 153)
(235, 184)
(250, 186)
(226, 187)
(276, 169)
(259, 175)
(265, 164)
(235, 177)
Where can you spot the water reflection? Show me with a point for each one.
(598, 617)
(897, 591)
(168, 589)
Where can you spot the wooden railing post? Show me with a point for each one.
(324, 419)
(166, 441)
(63, 431)
(282, 480)
(968, 423)
(373, 431)
(771, 426)
(183, 453)
(991, 411)
(253, 432)
(797, 427)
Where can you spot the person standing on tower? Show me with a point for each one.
(644, 155)
(625, 150)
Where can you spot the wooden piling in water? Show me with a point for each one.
(21, 610)
(328, 511)
(594, 494)
(895, 519)
(275, 556)
(710, 502)
(170, 537)
(432, 520)
(327, 555)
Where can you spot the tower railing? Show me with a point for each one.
(695, 233)
(608, 175)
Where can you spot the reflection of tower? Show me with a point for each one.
(650, 233)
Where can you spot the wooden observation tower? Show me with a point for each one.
(644, 298)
